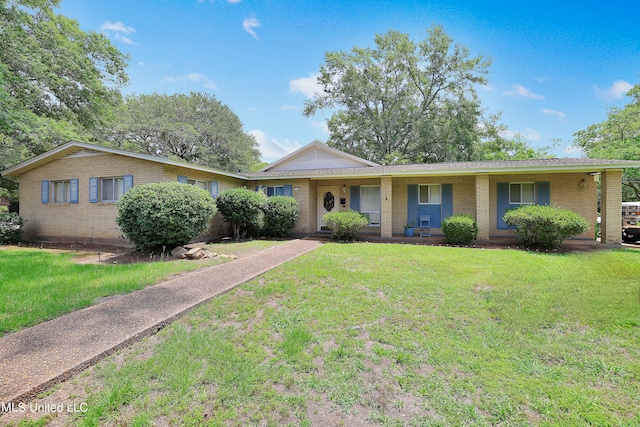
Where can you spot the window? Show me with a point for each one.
(202, 184)
(430, 194)
(522, 193)
(274, 190)
(61, 191)
(370, 203)
(112, 189)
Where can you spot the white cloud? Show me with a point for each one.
(113, 30)
(308, 86)
(117, 26)
(122, 38)
(559, 114)
(289, 108)
(528, 134)
(520, 91)
(272, 149)
(321, 125)
(531, 135)
(234, 1)
(618, 90)
(507, 134)
(192, 77)
(573, 151)
(249, 24)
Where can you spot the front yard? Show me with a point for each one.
(39, 285)
(382, 334)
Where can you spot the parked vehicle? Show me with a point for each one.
(630, 221)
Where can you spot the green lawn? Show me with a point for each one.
(38, 285)
(395, 335)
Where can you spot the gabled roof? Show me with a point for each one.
(84, 149)
(317, 155)
(456, 168)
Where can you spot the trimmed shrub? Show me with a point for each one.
(241, 207)
(10, 228)
(544, 226)
(165, 214)
(345, 225)
(280, 215)
(460, 229)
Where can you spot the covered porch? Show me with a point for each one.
(391, 202)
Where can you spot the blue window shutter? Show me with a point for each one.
(128, 183)
(447, 200)
(503, 204)
(354, 202)
(93, 190)
(44, 191)
(412, 204)
(288, 190)
(543, 193)
(213, 188)
(74, 190)
(182, 179)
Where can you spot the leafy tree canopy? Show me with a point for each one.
(403, 101)
(56, 81)
(196, 128)
(618, 137)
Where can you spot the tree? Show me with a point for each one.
(56, 81)
(196, 128)
(618, 137)
(403, 101)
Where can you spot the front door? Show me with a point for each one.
(328, 201)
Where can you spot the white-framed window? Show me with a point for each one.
(522, 193)
(370, 203)
(273, 190)
(430, 194)
(198, 183)
(111, 189)
(61, 191)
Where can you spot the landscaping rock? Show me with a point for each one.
(178, 252)
(195, 253)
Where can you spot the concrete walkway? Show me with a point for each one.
(37, 358)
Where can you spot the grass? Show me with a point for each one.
(40, 285)
(395, 335)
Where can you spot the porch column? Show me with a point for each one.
(386, 217)
(482, 206)
(611, 207)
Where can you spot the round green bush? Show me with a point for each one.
(242, 208)
(10, 228)
(164, 215)
(460, 229)
(544, 226)
(345, 225)
(280, 215)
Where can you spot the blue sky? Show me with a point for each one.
(557, 66)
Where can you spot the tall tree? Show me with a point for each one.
(196, 128)
(618, 137)
(403, 101)
(56, 81)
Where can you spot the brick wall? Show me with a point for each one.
(93, 222)
(566, 193)
(301, 192)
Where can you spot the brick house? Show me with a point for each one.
(70, 193)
